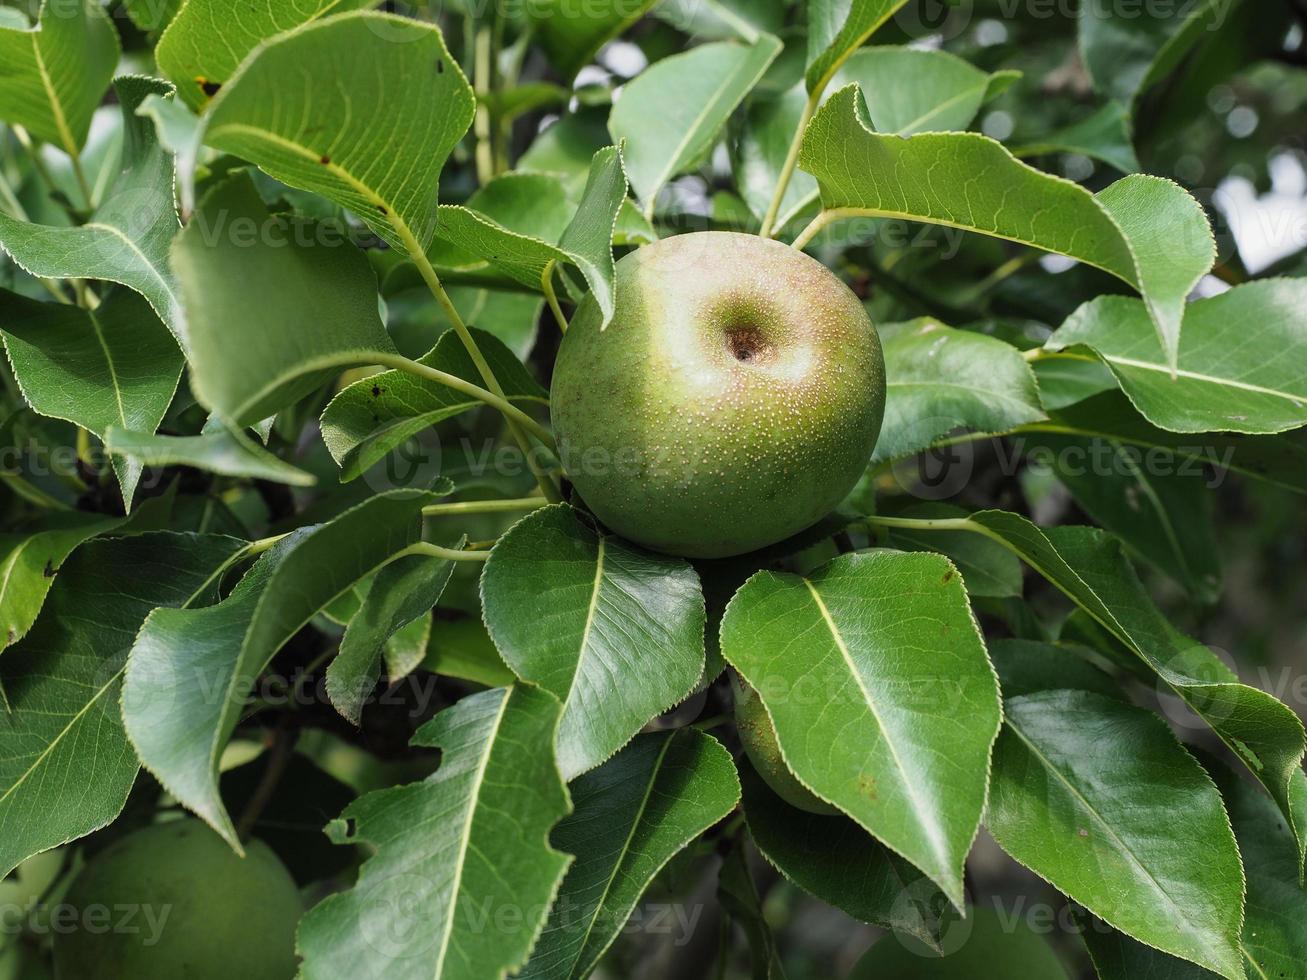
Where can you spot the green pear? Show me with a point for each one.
(198, 910)
(734, 400)
(758, 737)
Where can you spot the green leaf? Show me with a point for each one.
(525, 254)
(370, 418)
(126, 239)
(613, 632)
(221, 450)
(1081, 785)
(908, 90)
(1275, 921)
(462, 648)
(938, 379)
(1089, 567)
(53, 76)
(571, 35)
(885, 643)
(1145, 230)
(1065, 381)
(116, 365)
(1032, 667)
(1103, 135)
(671, 113)
(67, 765)
(1118, 957)
(988, 569)
(716, 20)
(911, 90)
(208, 39)
(403, 592)
(837, 28)
(632, 815)
(1161, 513)
(838, 862)
(152, 15)
(454, 853)
(737, 893)
(306, 306)
(986, 945)
(1126, 54)
(191, 670)
(1280, 460)
(375, 146)
(31, 560)
(1249, 385)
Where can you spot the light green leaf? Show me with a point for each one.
(376, 145)
(31, 560)
(938, 379)
(191, 670)
(1251, 384)
(208, 39)
(1103, 135)
(1159, 511)
(987, 944)
(1081, 785)
(54, 75)
(837, 28)
(1126, 54)
(1145, 230)
(116, 365)
(885, 643)
(152, 15)
(1088, 566)
(632, 815)
(521, 245)
(403, 592)
(371, 417)
(126, 239)
(221, 450)
(67, 765)
(453, 852)
(838, 862)
(671, 114)
(571, 35)
(908, 90)
(718, 20)
(613, 632)
(1064, 381)
(306, 306)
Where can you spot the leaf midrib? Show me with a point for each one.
(931, 827)
(621, 857)
(1125, 848)
(1298, 400)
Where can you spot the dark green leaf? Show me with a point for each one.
(463, 872)
(114, 366)
(632, 815)
(613, 632)
(1082, 785)
(885, 644)
(67, 765)
(402, 592)
(306, 306)
(837, 861)
(191, 670)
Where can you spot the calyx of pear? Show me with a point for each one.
(734, 400)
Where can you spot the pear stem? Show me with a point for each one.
(787, 169)
(547, 284)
